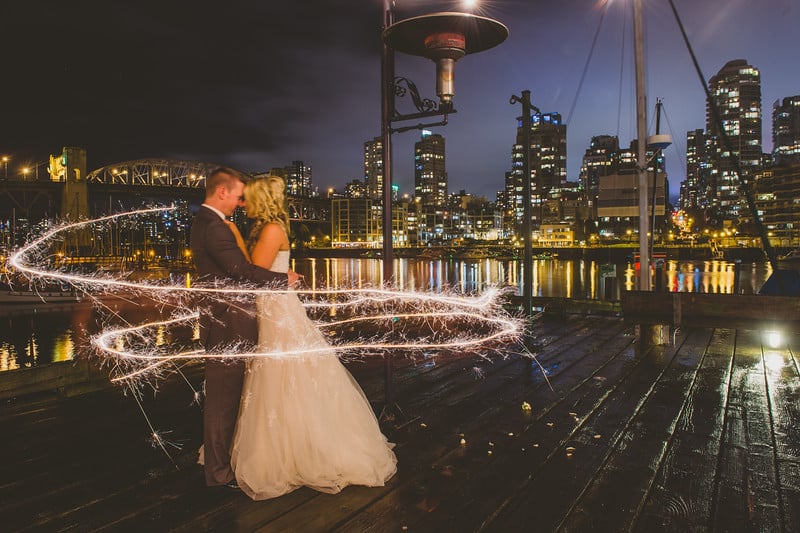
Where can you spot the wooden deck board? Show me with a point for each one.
(682, 495)
(698, 436)
(549, 496)
(453, 492)
(630, 469)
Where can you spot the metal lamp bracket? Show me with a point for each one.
(425, 107)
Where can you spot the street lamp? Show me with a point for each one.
(443, 38)
(527, 230)
(5, 164)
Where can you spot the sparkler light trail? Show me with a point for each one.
(23, 261)
(112, 342)
(144, 359)
(405, 320)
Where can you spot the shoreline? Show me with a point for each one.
(611, 254)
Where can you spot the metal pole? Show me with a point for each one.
(387, 108)
(641, 132)
(654, 196)
(527, 261)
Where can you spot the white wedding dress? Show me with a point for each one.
(303, 420)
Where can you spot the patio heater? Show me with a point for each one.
(444, 38)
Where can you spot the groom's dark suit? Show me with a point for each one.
(223, 321)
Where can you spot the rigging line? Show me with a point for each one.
(621, 70)
(678, 147)
(586, 65)
(744, 183)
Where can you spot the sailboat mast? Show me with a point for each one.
(641, 133)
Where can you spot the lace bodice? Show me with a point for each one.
(281, 262)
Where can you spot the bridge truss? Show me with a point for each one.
(154, 172)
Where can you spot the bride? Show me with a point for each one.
(303, 419)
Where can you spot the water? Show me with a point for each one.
(551, 277)
(35, 336)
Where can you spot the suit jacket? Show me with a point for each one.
(218, 260)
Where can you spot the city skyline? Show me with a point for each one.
(260, 86)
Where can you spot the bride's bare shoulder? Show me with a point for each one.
(272, 232)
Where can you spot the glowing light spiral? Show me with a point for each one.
(141, 361)
(134, 357)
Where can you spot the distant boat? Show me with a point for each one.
(716, 252)
(791, 260)
(38, 297)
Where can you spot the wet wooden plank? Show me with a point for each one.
(89, 465)
(550, 490)
(747, 495)
(599, 383)
(682, 494)
(416, 451)
(783, 385)
(151, 503)
(468, 482)
(630, 468)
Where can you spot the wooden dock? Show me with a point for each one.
(702, 435)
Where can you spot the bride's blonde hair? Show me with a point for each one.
(265, 202)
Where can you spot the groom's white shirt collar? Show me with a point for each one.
(217, 211)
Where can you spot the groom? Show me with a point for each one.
(218, 256)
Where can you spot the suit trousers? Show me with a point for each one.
(224, 379)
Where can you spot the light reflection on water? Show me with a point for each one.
(42, 337)
(29, 340)
(551, 277)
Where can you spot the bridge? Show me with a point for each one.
(128, 185)
(153, 173)
(119, 187)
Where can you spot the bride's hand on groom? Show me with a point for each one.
(295, 279)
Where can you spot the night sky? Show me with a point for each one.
(257, 84)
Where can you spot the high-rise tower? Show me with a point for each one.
(736, 90)
(786, 130)
(548, 161)
(695, 188)
(373, 168)
(430, 184)
(430, 176)
(297, 177)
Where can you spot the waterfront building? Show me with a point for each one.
(606, 200)
(618, 203)
(548, 164)
(430, 185)
(430, 174)
(736, 91)
(297, 177)
(353, 223)
(778, 203)
(356, 189)
(556, 235)
(472, 217)
(694, 191)
(358, 222)
(373, 168)
(786, 130)
(600, 159)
